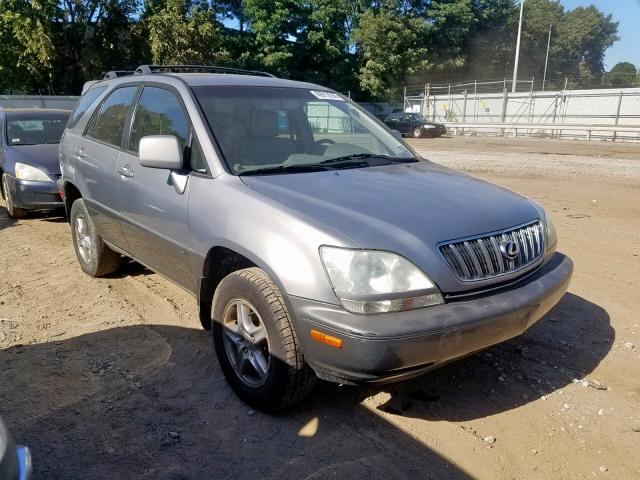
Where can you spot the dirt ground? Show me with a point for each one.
(114, 378)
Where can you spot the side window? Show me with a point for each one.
(159, 112)
(84, 104)
(197, 163)
(108, 123)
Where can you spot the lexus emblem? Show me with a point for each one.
(509, 249)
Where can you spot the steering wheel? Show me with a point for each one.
(318, 143)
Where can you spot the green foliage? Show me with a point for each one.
(182, 33)
(391, 45)
(26, 48)
(369, 47)
(623, 73)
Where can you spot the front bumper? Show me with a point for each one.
(401, 345)
(34, 195)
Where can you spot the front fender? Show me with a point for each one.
(224, 212)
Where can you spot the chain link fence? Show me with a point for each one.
(480, 103)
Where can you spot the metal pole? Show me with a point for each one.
(464, 107)
(546, 60)
(505, 101)
(448, 115)
(533, 79)
(404, 100)
(475, 100)
(618, 113)
(425, 99)
(515, 67)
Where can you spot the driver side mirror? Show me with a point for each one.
(160, 151)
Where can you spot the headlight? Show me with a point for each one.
(27, 172)
(370, 281)
(551, 237)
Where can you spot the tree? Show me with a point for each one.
(92, 36)
(275, 24)
(26, 48)
(584, 35)
(622, 73)
(185, 33)
(391, 46)
(322, 42)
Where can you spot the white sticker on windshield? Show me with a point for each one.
(326, 95)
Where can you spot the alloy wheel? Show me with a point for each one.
(83, 239)
(246, 343)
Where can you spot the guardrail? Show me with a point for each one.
(538, 128)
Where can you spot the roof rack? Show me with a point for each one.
(148, 69)
(117, 73)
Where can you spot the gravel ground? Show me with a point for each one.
(113, 378)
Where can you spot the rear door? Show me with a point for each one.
(155, 213)
(95, 161)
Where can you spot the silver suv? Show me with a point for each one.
(315, 241)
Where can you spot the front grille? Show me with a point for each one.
(480, 258)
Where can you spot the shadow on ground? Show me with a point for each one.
(567, 344)
(54, 216)
(5, 220)
(150, 402)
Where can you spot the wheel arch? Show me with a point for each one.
(219, 262)
(71, 194)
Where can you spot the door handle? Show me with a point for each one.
(125, 171)
(80, 154)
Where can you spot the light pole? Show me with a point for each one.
(515, 67)
(546, 60)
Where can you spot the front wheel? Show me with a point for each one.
(96, 259)
(417, 132)
(256, 344)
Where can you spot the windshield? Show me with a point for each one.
(35, 131)
(287, 130)
(416, 117)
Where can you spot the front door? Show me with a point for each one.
(155, 213)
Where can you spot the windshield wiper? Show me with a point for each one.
(313, 167)
(366, 156)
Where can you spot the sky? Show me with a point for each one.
(627, 13)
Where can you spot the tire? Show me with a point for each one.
(12, 210)
(417, 133)
(273, 378)
(95, 258)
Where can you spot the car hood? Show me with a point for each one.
(44, 156)
(407, 208)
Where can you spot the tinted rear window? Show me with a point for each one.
(84, 104)
(108, 122)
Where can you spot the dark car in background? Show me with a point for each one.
(15, 462)
(414, 124)
(29, 167)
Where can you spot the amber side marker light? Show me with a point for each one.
(324, 338)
